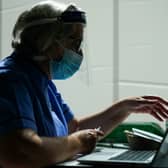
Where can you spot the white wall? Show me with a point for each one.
(9, 11)
(143, 53)
(127, 49)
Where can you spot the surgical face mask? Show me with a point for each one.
(67, 66)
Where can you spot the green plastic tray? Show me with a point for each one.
(118, 135)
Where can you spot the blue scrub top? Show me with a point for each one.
(28, 99)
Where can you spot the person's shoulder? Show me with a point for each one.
(52, 87)
(9, 69)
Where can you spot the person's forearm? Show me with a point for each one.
(108, 119)
(39, 152)
(60, 149)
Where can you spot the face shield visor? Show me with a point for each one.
(78, 43)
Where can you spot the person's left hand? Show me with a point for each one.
(154, 105)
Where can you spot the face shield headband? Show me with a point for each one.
(66, 17)
(73, 17)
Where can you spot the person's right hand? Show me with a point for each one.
(87, 139)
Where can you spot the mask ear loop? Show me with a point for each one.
(32, 24)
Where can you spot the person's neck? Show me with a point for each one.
(44, 67)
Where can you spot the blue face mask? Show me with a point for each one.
(69, 64)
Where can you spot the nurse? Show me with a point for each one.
(37, 128)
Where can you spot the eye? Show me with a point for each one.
(74, 43)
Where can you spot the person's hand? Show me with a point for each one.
(154, 105)
(87, 139)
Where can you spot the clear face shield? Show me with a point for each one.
(79, 44)
(84, 72)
